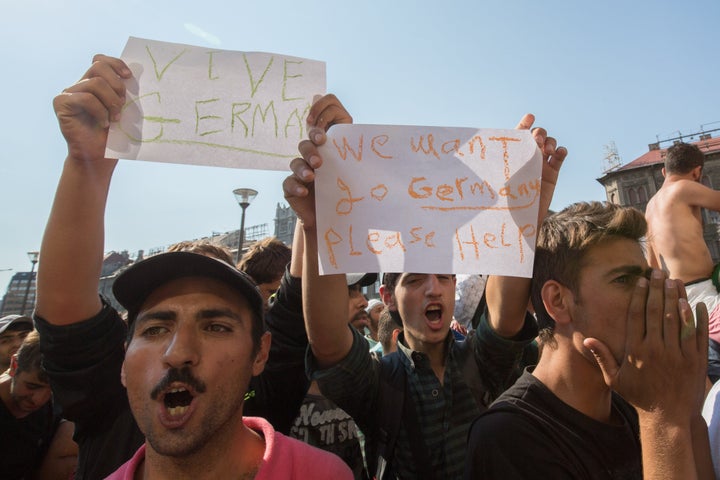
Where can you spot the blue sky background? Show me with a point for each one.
(627, 72)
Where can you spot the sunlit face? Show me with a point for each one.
(607, 280)
(267, 290)
(425, 303)
(10, 341)
(28, 392)
(189, 363)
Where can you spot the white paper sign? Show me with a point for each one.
(205, 106)
(427, 200)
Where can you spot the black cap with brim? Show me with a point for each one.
(134, 285)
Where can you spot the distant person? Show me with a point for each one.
(13, 330)
(28, 419)
(618, 390)
(388, 331)
(373, 309)
(675, 228)
(82, 337)
(265, 261)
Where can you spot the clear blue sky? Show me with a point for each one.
(591, 72)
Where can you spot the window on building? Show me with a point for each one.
(632, 196)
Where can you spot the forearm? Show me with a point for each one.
(72, 246)
(507, 301)
(667, 449)
(298, 248)
(325, 307)
(701, 448)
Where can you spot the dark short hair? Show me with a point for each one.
(203, 248)
(386, 324)
(29, 358)
(266, 260)
(564, 240)
(681, 158)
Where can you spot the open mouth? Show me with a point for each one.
(434, 313)
(177, 400)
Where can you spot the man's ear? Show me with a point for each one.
(13, 365)
(697, 173)
(387, 297)
(262, 354)
(557, 299)
(664, 173)
(122, 375)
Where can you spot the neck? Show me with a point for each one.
(576, 380)
(436, 353)
(237, 456)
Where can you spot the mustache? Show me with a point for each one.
(181, 375)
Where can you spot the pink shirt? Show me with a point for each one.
(284, 458)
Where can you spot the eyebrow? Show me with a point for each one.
(636, 270)
(168, 315)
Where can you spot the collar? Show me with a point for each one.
(416, 358)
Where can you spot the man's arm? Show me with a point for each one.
(695, 193)
(325, 298)
(508, 297)
(72, 247)
(662, 374)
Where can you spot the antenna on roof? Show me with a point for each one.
(611, 160)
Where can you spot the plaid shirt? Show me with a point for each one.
(445, 411)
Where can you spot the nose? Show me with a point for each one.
(363, 302)
(183, 349)
(432, 286)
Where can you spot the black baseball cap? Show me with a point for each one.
(134, 285)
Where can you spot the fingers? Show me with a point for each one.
(100, 93)
(635, 327)
(671, 315)
(701, 327)
(526, 122)
(655, 309)
(607, 363)
(294, 187)
(325, 112)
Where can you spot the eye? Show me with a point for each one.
(153, 331)
(218, 328)
(627, 279)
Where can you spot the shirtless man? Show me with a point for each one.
(675, 229)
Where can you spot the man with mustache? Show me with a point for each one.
(194, 336)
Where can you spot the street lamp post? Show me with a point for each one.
(34, 259)
(244, 197)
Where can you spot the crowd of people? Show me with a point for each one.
(595, 368)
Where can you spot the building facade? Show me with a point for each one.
(19, 299)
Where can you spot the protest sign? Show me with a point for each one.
(427, 200)
(205, 106)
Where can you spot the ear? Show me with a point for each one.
(122, 375)
(13, 365)
(697, 173)
(262, 354)
(557, 299)
(388, 297)
(664, 174)
(395, 333)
